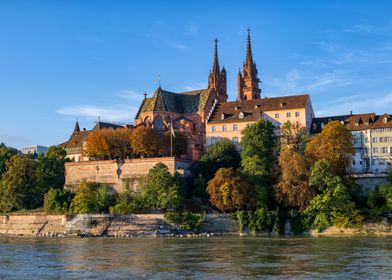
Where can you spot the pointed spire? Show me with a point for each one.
(249, 58)
(215, 67)
(77, 127)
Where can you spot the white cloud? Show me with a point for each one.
(177, 45)
(360, 29)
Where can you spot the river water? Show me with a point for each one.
(196, 258)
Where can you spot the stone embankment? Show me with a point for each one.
(106, 225)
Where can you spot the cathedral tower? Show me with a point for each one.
(217, 77)
(248, 82)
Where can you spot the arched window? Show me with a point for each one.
(158, 123)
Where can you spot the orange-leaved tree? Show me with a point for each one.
(146, 142)
(229, 191)
(333, 144)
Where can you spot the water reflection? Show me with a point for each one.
(212, 258)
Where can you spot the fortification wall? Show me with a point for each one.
(117, 173)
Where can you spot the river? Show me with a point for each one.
(196, 258)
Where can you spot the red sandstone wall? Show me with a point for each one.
(116, 173)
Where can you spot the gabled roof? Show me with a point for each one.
(251, 109)
(183, 102)
(355, 122)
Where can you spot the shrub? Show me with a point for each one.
(85, 201)
(185, 220)
(259, 221)
(58, 201)
(128, 202)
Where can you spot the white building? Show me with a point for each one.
(34, 150)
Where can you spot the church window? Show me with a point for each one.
(158, 123)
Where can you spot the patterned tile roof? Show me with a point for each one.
(250, 110)
(183, 102)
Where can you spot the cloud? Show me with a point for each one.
(117, 112)
(194, 86)
(359, 29)
(177, 45)
(358, 104)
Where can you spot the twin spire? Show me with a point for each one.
(248, 82)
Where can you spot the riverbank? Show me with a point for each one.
(146, 225)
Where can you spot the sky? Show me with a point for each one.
(63, 60)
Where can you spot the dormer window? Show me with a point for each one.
(367, 123)
(222, 116)
(237, 107)
(241, 115)
(282, 104)
(385, 120)
(356, 123)
(257, 106)
(342, 122)
(314, 126)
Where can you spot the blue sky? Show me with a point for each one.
(65, 59)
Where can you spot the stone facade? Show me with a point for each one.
(118, 173)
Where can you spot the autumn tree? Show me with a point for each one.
(146, 142)
(229, 191)
(178, 141)
(109, 143)
(333, 144)
(293, 188)
(294, 136)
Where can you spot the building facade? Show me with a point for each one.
(372, 140)
(34, 150)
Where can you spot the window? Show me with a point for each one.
(384, 150)
(381, 139)
(288, 115)
(374, 139)
(158, 123)
(235, 127)
(297, 114)
(214, 140)
(235, 140)
(387, 139)
(213, 128)
(224, 127)
(375, 150)
(276, 115)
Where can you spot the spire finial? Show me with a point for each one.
(215, 67)
(249, 58)
(77, 128)
(159, 81)
(145, 95)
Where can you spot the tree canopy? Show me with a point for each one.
(146, 142)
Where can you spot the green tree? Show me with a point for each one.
(5, 154)
(221, 154)
(128, 202)
(85, 200)
(257, 148)
(229, 191)
(333, 206)
(162, 190)
(58, 201)
(18, 185)
(103, 198)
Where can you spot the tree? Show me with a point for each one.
(221, 154)
(96, 145)
(229, 191)
(103, 198)
(18, 185)
(5, 154)
(179, 142)
(109, 143)
(146, 142)
(334, 144)
(84, 201)
(257, 146)
(128, 202)
(293, 188)
(162, 190)
(58, 201)
(294, 136)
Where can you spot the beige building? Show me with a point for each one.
(372, 139)
(230, 118)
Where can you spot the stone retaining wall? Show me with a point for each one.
(117, 173)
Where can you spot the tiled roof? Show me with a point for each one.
(183, 102)
(355, 122)
(250, 110)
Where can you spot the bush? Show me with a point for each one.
(57, 201)
(379, 201)
(128, 202)
(259, 221)
(185, 220)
